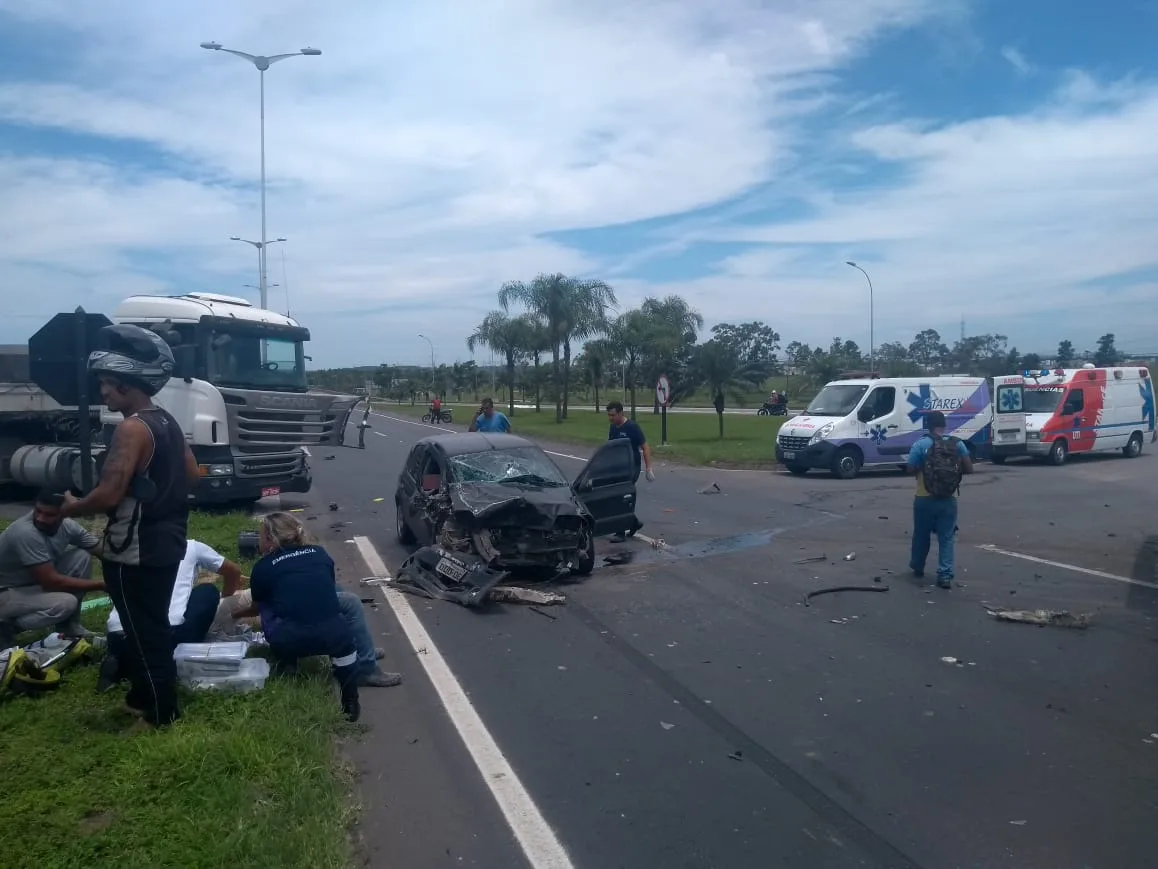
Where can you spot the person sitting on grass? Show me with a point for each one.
(370, 675)
(45, 570)
(192, 608)
(294, 589)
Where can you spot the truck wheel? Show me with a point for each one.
(401, 529)
(798, 470)
(1133, 448)
(1058, 452)
(846, 463)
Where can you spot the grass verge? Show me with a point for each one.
(693, 438)
(251, 780)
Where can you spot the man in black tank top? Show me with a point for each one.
(143, 489)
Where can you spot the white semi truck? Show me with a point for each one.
(239, 392)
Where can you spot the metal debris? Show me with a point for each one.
(1043, 618)
(333, 505)
(517, 594)
(836, 588)
(710, 489)
(850, 557)
(813, 559)
(543, 613)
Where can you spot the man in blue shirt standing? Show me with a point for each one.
(622, 427)
(938, 462)
(490, 420)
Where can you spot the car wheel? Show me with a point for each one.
(798, 470)
(401, 529)
(1133, 448)
(1058, 452)
(846, 463)
(585, 556)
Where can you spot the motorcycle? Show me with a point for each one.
(445, 415)
(770, 409)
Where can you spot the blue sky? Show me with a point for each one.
(986, 160)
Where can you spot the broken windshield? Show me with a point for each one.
(526, 465)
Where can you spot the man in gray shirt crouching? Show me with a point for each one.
(45, 565)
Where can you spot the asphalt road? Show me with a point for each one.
(689, 710)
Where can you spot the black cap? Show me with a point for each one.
(934, 419)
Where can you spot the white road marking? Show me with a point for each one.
(538, 841)
(989, 547)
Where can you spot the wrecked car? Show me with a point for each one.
(503, 499)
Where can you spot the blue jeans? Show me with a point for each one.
(934, 516)
(350, 606)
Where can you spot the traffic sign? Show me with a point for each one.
(56, 355)
(663, 391)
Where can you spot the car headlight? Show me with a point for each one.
(216, 470)
(822, 432)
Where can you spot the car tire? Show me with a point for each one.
(1133, 447)
(585, 556)
(401, 529)
(798, 470)
(1058, 452)
(846, 463)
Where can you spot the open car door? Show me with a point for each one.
(606, 486)
(1008, 416)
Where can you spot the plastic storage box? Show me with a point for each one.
(250, 676)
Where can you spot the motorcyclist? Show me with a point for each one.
(436, 410)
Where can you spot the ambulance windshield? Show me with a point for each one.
(837, 399)
(1042, 399)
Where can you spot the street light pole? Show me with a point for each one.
(431, 343)
(262, 285)
(262, 63)
(872, 344)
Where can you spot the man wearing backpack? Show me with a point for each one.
(938, 462)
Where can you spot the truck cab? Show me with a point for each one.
(240, 393)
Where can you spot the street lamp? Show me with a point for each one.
(872, 359)
(431, 343)
(261, 275)
(262, 63)
(256, 287)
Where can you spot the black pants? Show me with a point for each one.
(141, 596)
(289, 641)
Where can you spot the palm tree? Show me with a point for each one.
(507, 336)
(630, 337)
(597, 354)
(569, 308)
(719, 370)
(675, 326)
(536, 342)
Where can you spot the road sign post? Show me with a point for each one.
(663, 396)
(58, 364)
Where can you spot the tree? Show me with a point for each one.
(597, 354)
(507, 336)
(1012, 361)
(892, 358)
(383, 377)
(1031, 361)
(928, 350)
(1065, 354)
(673, 327)
(750, 342)
(720, 369)
(798, 355)
(1107, 353)
(846, 355)
(630, 337)
(568, 308)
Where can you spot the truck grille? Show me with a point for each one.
(270, 466)
(792, 443)
(257, 426)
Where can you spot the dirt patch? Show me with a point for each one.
(95, 822)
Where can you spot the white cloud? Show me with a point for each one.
(415, 165)
(1018, 61)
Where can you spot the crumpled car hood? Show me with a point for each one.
(502, 502)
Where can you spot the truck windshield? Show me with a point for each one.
(1042, 399)
(836, 399)
(236, 359)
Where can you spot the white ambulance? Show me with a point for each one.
(1077, 410)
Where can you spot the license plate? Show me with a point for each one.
(787, 455)
(450, 570)
(270, 491)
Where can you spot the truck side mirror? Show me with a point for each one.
(186, 361)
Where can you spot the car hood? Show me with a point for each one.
(500, 502)
(805, 426)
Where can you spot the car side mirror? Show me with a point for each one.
(186, 361)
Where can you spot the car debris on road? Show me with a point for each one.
(1043, 618)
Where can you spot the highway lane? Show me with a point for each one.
(688, 709)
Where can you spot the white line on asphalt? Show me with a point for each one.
(538, 841)
(989, 547)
